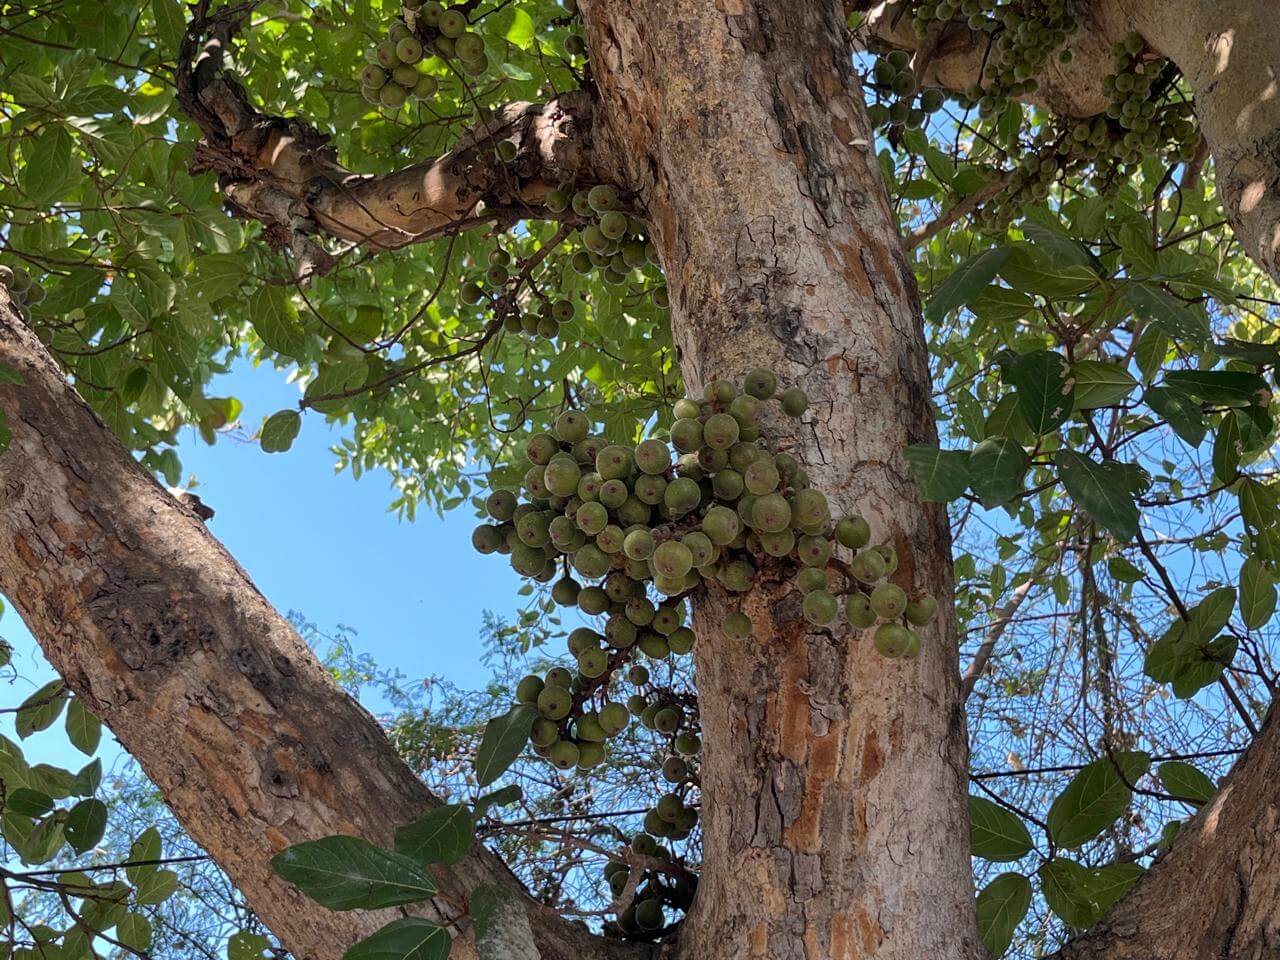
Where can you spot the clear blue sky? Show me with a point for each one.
(324, 545)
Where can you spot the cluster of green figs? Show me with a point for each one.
(626, 533)
(23, 291)
(425, 28)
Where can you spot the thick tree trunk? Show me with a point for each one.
(149, 619)
(834, 780)
(1215, 894)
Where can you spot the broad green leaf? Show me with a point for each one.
(1001, 906)
(1100, 384)
(408, 938)
(995, 833)
(84, 730)
(1188, 661)
(1185, 782)
(504, 739)
(1105, 490)
(41, 709)
(521, 32)
(941, 475)
(1226, 387)
(996, 470)
(1065, 887)
(243, 945)
(444, 835)
(1257, 593)
(280, 430)
(1046, 392)
(1227, 449)
(28, 802)
(143, 853)
(1031, 271)
(1180, 410)
(1170, 314)
(156, 887)
(276, 321)
(1096, 796)
(217, 275)
(347, 873)
(51, 168)
(134, 931)
(1259, 505)
(965, 283)
(86, 824)
(1123, 570)
(511, 793)
(171, 23)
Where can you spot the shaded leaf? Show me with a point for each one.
(348, 873)
(1001, 906)
(995, 833)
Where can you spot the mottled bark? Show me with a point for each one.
(283, 172)
(833, 779)
(1229, 54)
(1214, 896)
(147, 617)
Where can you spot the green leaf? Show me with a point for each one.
(1180, 410)
(444, 835)
(347, 873)
(40, 709)
(1100, 384)
(1045, 391)
(156, 887)
(276, 321)
(511, 793)
(1170, 314)
(1001, 906)
(1185, 782)
(84, 730)
(995, 833)
(243, 945)
(171, 23)
(1105, 490)
(1065, 885)
(134, 931)
(1096, 796)
(1031, 271)
(145, 849)
(1227, 387)
(406, 939)
(997, 467)
(504, 738)
(28, 802)
(217, 275)
(965, 283)
(941, 475)
(86, 824)
(1227, 450)
(50, 168)
(521, 32)
(1257, 593)
(280, 430)
(1123, 570)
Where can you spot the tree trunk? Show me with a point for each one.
(834, 780)
(147, 617)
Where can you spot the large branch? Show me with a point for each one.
(1229, 54)
(283, 172)
(147, 617)
(1216, 893)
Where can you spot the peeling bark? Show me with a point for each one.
(834, 780)
(147, 617)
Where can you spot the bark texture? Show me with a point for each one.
(1214, 896)
(834, 780)
(1229, 54)
(283, 172)
(149, 619)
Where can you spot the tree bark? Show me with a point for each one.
(1228, 55)
(834, 780)
(147, 618)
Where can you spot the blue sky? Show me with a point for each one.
(325, 545)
